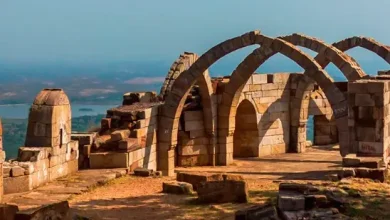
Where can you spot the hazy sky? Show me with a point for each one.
(119, 30)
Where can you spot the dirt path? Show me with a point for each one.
(141, 198)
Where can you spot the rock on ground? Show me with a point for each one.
(230, 189)
(177, 188)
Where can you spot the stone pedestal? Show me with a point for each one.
(369, 117)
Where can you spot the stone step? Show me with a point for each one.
(352, 160)
(379, 174)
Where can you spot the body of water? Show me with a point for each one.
(20, 111)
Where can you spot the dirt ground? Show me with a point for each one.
(132, 197)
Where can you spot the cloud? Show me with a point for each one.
(91, 92)
(145, 80)
(7, 95)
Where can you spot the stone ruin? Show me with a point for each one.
(48, 152)
(197, 120)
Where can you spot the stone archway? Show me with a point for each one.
(246, 134)
(174, 101)
(252, 62)
(344, 62)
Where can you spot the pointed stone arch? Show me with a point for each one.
(370, 44)
(328, 53)
(208, 100)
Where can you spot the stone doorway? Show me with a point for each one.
(246, 134)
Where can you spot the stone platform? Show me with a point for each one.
(63, 188)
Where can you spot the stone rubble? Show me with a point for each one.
(298, 201)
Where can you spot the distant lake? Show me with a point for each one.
(20, 111)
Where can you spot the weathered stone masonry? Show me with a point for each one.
(49, 152)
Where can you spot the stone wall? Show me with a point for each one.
(193, 144)
(49, 152)
(369, 118)
(269, 95)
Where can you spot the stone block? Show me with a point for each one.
(315, 201)
(265, 150)
(101, 141)
(6, 171)
(297, 187)
(105, 123)
(58, 210)
(371, 148)
(58, 150)
(148, 113)
(371, 162)
(196, 178)
(347, 172)
(194, 125)
(120, 135)
(375, 174)
(108, 160)
(17, 184)
(351, 160)
(177, 188)
(33, 153)
(193, 116)
(57, 160)
(259, 78)
(41, 165)
(17, 171)
(145, 122)
(144, 172)
(267, 211)
(8, 212)
(83, 138)
(129, 144)
(289, 201)
(225, 191)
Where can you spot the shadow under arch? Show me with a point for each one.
(246, 135)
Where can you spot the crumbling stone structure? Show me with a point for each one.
(223, 105)
(198, 120)
(49, 152)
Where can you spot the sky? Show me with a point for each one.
(93, 31)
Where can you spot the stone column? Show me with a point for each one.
(368, 118)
